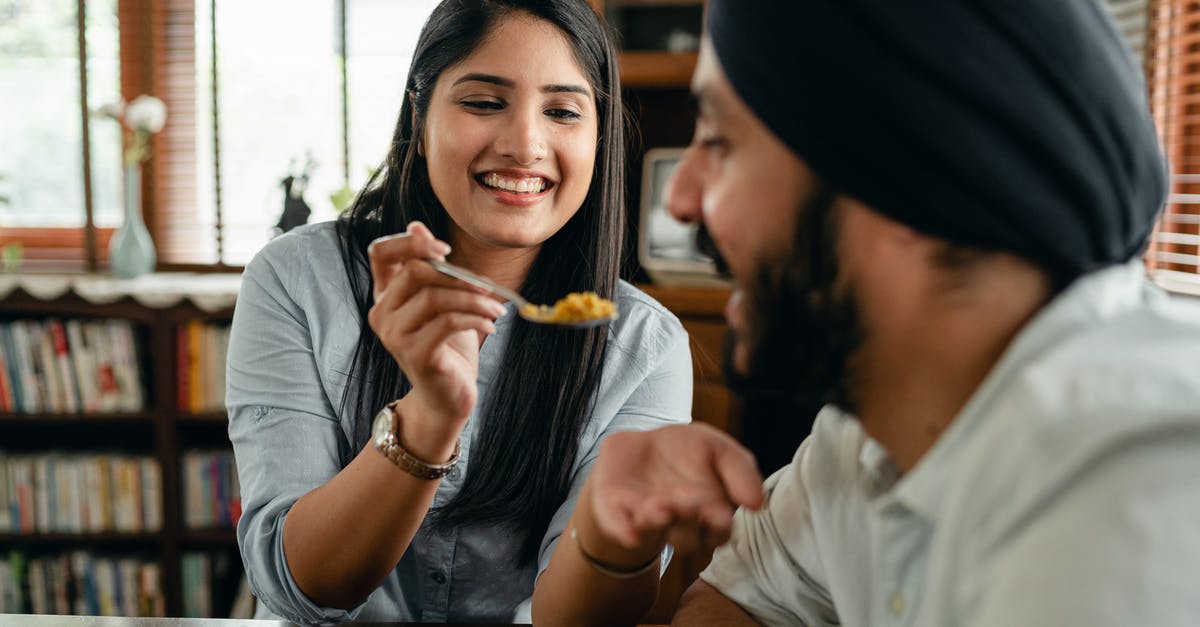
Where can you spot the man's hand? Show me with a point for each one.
(677, 484)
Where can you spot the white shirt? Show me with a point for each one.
(1067, 491)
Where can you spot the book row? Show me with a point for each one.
(79, 582)
(202, 349)
(211, 496)
(79, 493)
(70, 366)
(214, 586)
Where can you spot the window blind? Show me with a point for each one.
(1131, 18)
(1173, 77)
(158, 57)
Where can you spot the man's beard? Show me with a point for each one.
(802, 331)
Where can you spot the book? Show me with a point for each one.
(127, 581)
(151, 602)
(151, 495)
(39, 592)
(84, 363)
(31, 386)
(6, 508)
(14, 373)
(183, 365)
(195, 366)
(125, 366)
(65, 368)
(7, 403)
(47, 363)
(100, 341)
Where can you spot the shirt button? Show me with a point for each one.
(438, 577)
(454, 474)
(896, 604)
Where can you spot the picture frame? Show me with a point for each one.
(666, 247)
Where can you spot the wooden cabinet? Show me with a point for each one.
(701, 310)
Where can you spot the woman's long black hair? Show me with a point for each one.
(542, 396)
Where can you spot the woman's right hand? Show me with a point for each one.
(432, 325)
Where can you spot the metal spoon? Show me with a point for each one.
(524, 307)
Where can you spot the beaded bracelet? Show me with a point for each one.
(608, 569)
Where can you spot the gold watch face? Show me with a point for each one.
(382, 427)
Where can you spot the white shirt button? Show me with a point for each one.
(897, 605)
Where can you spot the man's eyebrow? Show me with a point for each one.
(509, 83)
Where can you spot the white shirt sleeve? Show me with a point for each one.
(771, 566)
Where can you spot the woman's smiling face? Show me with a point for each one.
(510, 137)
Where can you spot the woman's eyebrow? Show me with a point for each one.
(559, 89)
(486, 78)
(509, 83)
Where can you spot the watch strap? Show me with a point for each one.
(394, 450)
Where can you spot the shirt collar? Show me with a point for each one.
(1088, 301)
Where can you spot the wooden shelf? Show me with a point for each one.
(23, 420)
(205, 417)
(22, 304)
(653, 69)
(209, 536)
(78, 539)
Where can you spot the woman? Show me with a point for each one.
(507, 159)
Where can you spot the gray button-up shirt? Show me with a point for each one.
(294, 332)
(1066, 492)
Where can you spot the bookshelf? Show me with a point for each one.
(161, 431)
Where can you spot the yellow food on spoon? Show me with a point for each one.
(574, 307)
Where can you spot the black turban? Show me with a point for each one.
(1013, 125)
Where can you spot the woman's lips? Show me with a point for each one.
(511, 197)
(518, 199)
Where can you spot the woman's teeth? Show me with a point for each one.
(520, 186)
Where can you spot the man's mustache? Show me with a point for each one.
(707, 247)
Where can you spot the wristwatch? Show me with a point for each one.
(384, 436)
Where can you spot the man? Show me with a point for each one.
(933, 213)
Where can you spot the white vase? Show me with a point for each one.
(131, 250)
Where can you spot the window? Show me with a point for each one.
(1172, 45)
(256, 92)
(44, 198)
